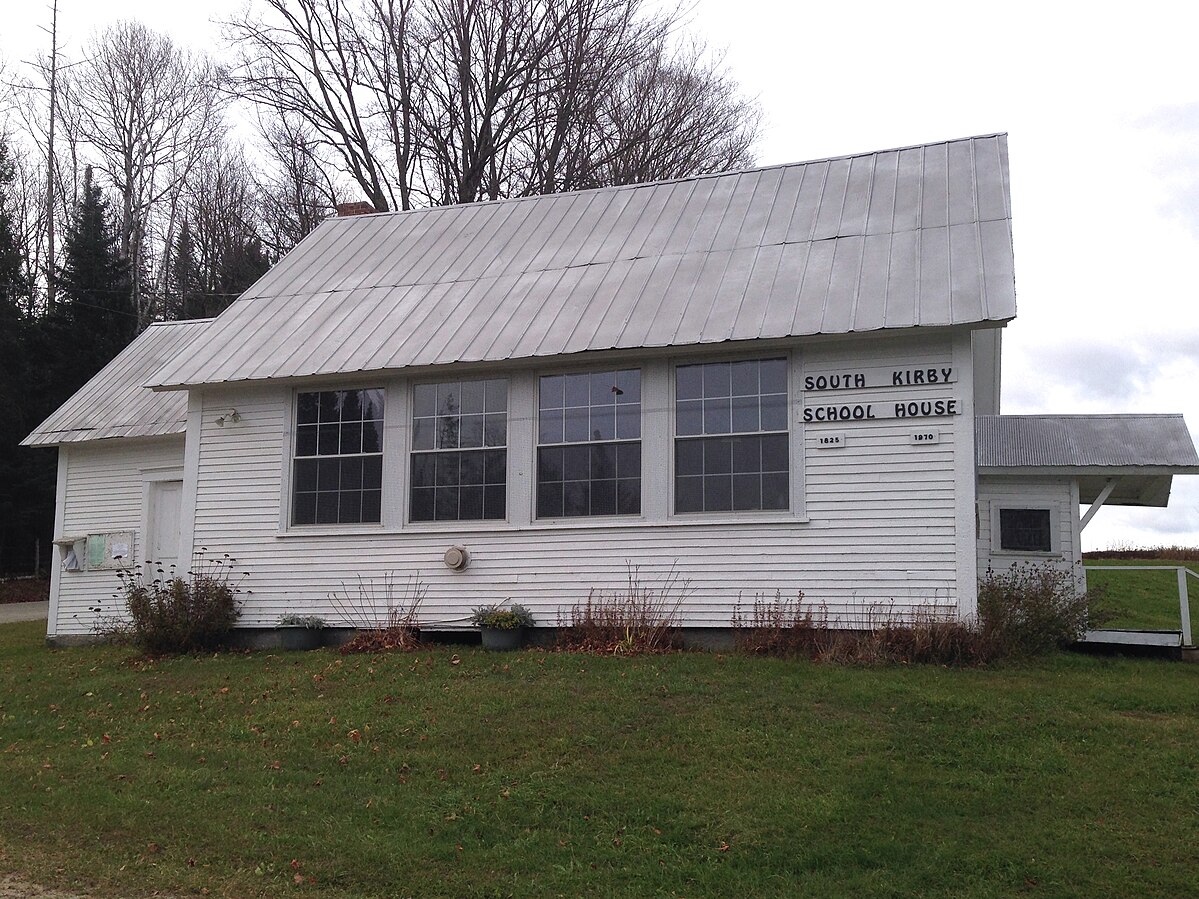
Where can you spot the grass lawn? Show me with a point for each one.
(1145, 600)
(458, 773)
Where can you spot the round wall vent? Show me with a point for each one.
(456, 558)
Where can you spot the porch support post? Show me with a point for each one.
(1099, 501)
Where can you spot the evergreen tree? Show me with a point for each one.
(14, 282)
(96, 289)
(185, 285)
(241, 264)
(24, 474)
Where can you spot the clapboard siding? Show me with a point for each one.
(1058, 494)
(879, 532)
(104, 491)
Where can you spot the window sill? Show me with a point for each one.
(503, 527)
(1028, 553)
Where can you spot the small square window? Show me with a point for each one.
(1025, 530)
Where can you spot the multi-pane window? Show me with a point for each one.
(589, 444)
(337, 476)
(459, 450)
(1025, 530)
(731, 446)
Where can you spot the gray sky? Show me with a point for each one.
(1101, 102)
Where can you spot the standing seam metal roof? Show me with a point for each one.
(892, 239)
(114, 403)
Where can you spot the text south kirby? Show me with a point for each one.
(900, 377)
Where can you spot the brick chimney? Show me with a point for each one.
(360, 208)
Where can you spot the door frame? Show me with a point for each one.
(151, 477)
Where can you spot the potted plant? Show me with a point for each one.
(300, 632)
(502, 629)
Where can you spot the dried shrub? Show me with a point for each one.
(1164, 553)
(386, 639)
(786, 627)
(925, 638)
(168, 614)
(24, 589)
(779, 627)
(384, 611)
(1033, 609)
(637, 619)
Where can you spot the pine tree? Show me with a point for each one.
(96, 288)
(241, 264)
(24, 474)
(185, 286)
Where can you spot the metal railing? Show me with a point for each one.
(1184, 605)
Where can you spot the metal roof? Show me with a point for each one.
(115, 404)
(892, 239)
(1084, 441)
(1140, 453)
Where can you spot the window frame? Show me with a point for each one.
(1055, 542)
(796, 450)
(616, 365)
(291, 444)
(403, 468)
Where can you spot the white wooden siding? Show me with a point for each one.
(104, 490)
(1060, 495)
(880, 527)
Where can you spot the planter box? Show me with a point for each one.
(502, 640)
(299, 639)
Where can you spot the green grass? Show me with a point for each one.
(538, 774)
(1144, 600)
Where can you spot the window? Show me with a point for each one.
(589, 444)
(731, 436)
(1025, 530)
(459, 450)
(337, 476)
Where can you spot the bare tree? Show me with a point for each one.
(306, 62)
(675, 114)
(294, 188)
(149, 111)
(448, 101)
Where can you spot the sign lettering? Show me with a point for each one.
(863, 378)
(874, 411)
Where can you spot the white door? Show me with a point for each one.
(162, 539)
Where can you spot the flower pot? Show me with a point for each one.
(299, 639)
(502, 639)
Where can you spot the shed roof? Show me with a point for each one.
(1141, 452)
(114, 403)
(892, 239)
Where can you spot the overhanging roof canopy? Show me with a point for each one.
(1141, 452)
(894, 239)
(114, 403)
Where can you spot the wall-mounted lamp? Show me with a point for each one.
(232, 415)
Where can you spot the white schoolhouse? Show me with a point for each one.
(775, 380)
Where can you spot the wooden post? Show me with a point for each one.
(37, 556)
(1184, 607)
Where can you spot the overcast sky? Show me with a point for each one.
(1101, 102)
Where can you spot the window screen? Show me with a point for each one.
(1025, 530)
(337, 476)
(589, 444)
(731, 443)
(459, 450)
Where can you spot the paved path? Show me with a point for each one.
(23, 611)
